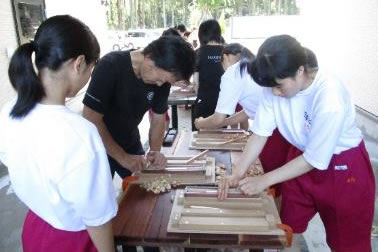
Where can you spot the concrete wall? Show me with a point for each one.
(252, 31)
(8, 43)
(344, 35)
(90, 12)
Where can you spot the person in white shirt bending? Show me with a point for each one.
(56, 160)
(328, 170)
(238, 87)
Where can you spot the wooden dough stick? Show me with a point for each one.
(232, 140)
(197, 156)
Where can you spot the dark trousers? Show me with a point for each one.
(203, 108)
(115, 167)
(145, 249)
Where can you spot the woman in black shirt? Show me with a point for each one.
(208, 70)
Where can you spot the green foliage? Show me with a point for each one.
(126, 14)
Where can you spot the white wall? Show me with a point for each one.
(344, 35)
(252, 31)
(8, 43)
(92, 13)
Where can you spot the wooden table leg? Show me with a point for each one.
(174, 117)
(128, 248)
(195, 250)
(189, 250)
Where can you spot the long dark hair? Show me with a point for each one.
(280, 57)
(57, 40)
(246, 56)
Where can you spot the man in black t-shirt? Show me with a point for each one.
(124, 85)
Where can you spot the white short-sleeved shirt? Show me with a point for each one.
(320, 120)
(58, 166)
(238, 88)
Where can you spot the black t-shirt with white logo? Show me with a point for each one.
(210, 71)
(122, 98)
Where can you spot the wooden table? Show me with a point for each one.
(143, 217)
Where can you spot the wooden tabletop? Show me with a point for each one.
(143, 217)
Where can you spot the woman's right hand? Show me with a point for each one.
(226, 183)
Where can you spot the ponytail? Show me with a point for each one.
(246, 56)
(25, 81)
(311, 61)
(246, 59)
(57, 40)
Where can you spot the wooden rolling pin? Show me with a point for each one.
(196, 156)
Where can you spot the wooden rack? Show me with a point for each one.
(197, 210)
(179, 172)
(219, 139)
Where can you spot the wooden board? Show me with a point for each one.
(203, 191)
(199, 172)
(221, 139)
(252, 215)
(182, 93)
(142, 220)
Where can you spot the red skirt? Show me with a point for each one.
(39, 236)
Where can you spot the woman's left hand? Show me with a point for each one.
(157, 159)
(198, 122)
(253, 185)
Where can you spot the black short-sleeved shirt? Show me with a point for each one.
(122, 98)
(210, 70)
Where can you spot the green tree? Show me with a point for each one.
(126, 14)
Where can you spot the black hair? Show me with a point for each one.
(180, 27)
(222, 40)
(172, 54)
(209, 30)
(280, 57)
(187, 34)
(57, 40)
(246, 56)
(171, 32)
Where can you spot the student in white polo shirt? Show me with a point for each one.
(238, 87)
(56, 160)
(328, 170)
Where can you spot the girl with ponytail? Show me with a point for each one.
(238, 89)
(327, 168)
(56, 160)
(238, 92)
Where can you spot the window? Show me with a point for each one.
(28, 16)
